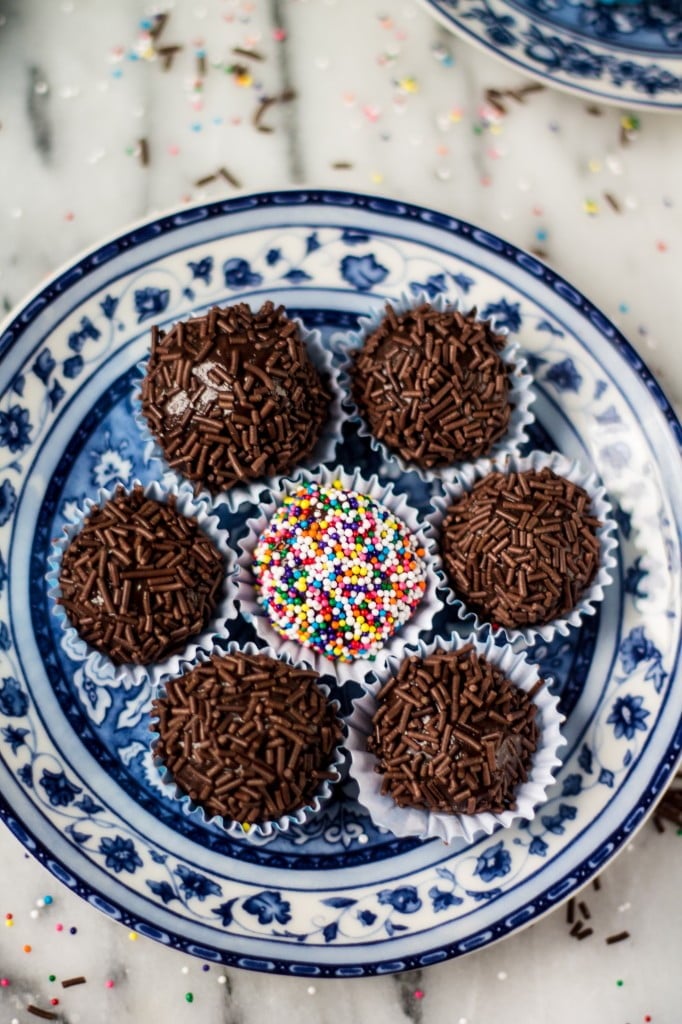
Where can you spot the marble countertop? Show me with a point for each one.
(101, 125)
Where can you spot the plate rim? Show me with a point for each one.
(23, 314)
(673, 105)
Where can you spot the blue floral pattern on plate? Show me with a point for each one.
(627, 53)
(331, 258)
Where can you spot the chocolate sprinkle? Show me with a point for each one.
(38, 1012)
(70, 982)
(521, 548)
(620, 937)
(246, 737)
(432, 385)
(233, 396)
(139, 579)
(451, 733)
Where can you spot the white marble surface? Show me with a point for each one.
(385, 101)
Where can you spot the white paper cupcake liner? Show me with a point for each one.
(187, 505)
(265, 829)
(600, 507)
(404, 821)
(325, 450)
(410, 632)
(521, 394)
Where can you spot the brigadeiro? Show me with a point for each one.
(248, 738)
(139, 579)
(453, 740)
(433, 386)
(337, 570)
(521, 548)
(233, 396)
(452, 734)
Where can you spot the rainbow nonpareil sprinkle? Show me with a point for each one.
(337, 571)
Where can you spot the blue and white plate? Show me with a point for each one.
(336, 897)
(627, 52)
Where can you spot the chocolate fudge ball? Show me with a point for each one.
(432, 386)
(139, 579)
(520, 549)
(247, 737)
(453, 735)
(233, 396)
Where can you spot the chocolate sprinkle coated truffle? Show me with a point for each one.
(139, 579)
(452, 734)
(432, 386)
(233, 396)
(521, 548)
(247, 737)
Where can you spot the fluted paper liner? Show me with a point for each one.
(606, 534)
(410, 632)
(520, 396)
(264, 829)
(330, 435)
(187, 505)
(405, 821)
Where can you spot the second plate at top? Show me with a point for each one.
(626, 53)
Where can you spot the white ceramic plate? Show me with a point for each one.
(338, 897)
(628, 53)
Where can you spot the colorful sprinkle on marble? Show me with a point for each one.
(337, 571)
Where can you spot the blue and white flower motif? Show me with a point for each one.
(572, 785)
(564, 376)
(362, 272)
(273, 256)
(268, 906)
(636, 648)
(120, 854)
(164, 890)
(634, 575)
(108, 306)
(493, 863)
(498, 26)
(44, 365)
(628, 716)
(463, 281)
(202, 270)
(553, 54)
(404, 899)
(433, 285)
(506, 314)
(3, 573)
(13, 700)
(111, 465)
(15, 428)
(442, 900)
(538, 847)
(238, 274)
(15, 737)
(150, 302)
(194, 884)
(5, 642)
(8, 501)
(60, 792)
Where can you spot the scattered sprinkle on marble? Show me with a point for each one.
(311, 990)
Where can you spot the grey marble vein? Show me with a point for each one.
(295, 161)
(38, 109)
(407, 985)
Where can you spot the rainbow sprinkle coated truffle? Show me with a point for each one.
(337, 571)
